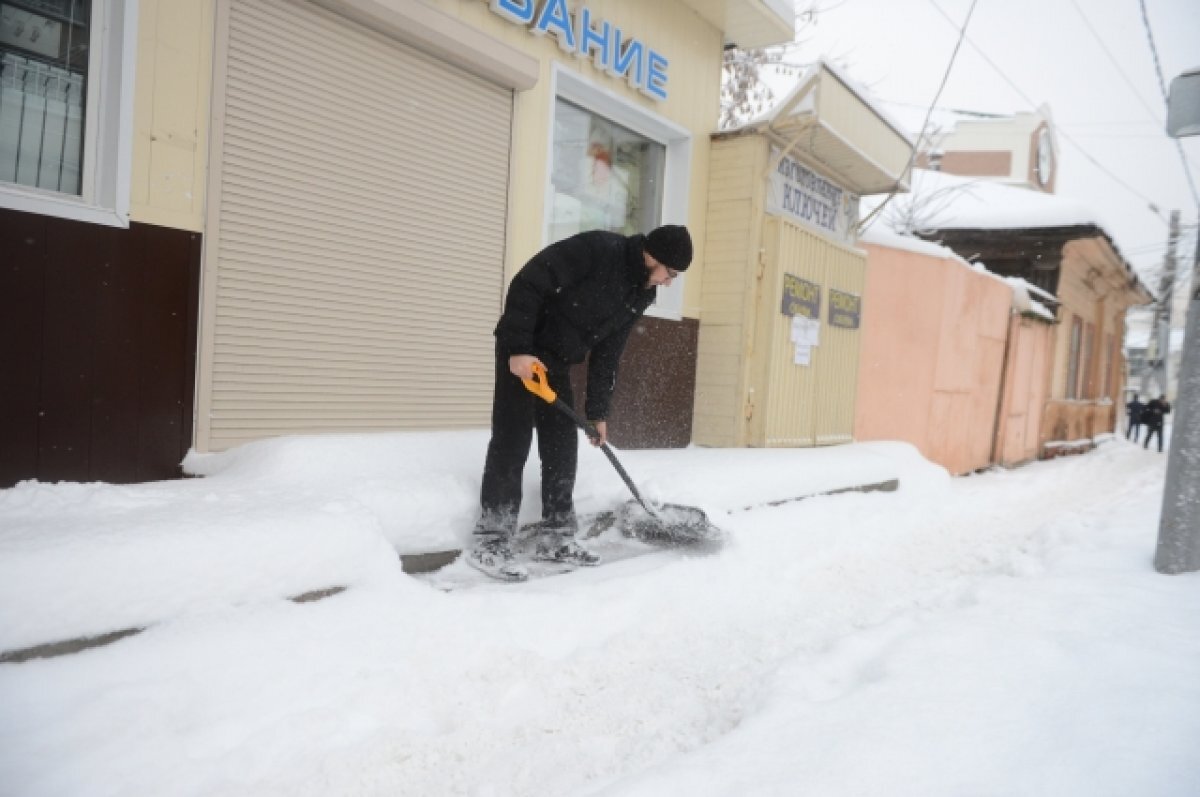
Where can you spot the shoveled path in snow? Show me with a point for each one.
(998, 634)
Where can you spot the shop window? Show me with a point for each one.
(615, 166)
(604, 176)
(66, 83)
(1073, 358)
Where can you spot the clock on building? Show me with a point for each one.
(1045, 158)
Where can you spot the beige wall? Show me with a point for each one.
(932, 356)
(813, 404)
(733, 241)
(170, 112)
(1094, 286)
(693, 48)
(749, 391)
(998, 135)
(173, 87)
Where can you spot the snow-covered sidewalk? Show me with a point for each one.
(997, 634)
(280, 518)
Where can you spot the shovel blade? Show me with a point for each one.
(672, 526)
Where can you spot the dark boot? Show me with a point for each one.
(493, 555)
(556, 543)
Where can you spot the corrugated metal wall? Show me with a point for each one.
(814, 404)
(360, 235)
(733, 237)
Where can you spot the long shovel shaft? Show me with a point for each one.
(539, 386)
(592, 434)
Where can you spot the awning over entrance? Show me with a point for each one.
(828, 120)
(750, 23)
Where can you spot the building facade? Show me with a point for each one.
(299, 216)
(1094, 286)
(1019, 150)
(784, 285)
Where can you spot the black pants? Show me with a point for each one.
(1150, 432)
(515, 414)
(1133, 431)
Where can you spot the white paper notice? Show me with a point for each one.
(803, 354)
(805, 331)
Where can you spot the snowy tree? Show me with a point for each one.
(745, 91)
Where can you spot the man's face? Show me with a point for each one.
(657, 273)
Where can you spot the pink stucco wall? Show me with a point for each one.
(932, 356)
(1026, 390)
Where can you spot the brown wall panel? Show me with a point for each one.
(68, 334)
(652, 404)
(164, 336)
(115, 402)
(98, 349)
(22, 275)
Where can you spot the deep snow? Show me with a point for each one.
(1000, 634)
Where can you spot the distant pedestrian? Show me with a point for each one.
(1134, 411)
(1153, 416)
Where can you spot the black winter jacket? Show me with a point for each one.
(580, 295)
(1152, 416)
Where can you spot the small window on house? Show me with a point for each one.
(604, 176)
(1087, 386)
(1110, 356)
(45, 46)
(1073, 358)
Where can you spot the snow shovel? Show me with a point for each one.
(666, 524)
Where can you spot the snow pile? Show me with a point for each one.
(278, 518)
(87, 559)
(997, 634)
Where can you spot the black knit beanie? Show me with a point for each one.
(670, 245)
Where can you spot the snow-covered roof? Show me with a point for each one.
(775, 112)
(881, 235)
(981, 204)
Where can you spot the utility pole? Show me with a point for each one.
(1178, 548)
(1158, 352)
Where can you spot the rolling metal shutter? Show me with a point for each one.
(360, 231)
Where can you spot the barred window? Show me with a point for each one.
(45, 46)
(1073, 358)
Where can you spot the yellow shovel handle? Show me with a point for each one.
(540, 385)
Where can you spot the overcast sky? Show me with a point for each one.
(1101, 87)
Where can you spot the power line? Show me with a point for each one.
(962, 35)
(1116, 64)
(1162, 84)
(961, 111)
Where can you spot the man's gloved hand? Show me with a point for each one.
(522, 365)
